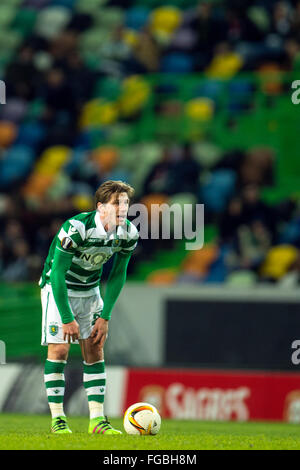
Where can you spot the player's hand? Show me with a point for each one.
(71, 331)
(100, 332)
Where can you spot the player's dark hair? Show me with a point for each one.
(108, 188)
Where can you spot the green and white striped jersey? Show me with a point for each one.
(85, 237)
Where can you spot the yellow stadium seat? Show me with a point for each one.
(200, 109)
(278, 261)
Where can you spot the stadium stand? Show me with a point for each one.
(189, 101)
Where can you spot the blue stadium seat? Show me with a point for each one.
(137, 17)
(217, 191)
(30, 134)
(177, 63)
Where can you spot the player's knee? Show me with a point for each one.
(93, 353)
(58, 352)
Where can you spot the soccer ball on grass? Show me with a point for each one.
(142, 419)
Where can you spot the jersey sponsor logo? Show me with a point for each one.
(66, 243)
(95, 259)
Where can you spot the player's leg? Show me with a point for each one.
(94, 380)
(94, 375)
(58, 350)
(54, 379)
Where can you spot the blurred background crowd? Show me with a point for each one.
(189, 102)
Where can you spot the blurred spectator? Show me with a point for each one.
(146, 52)
(115, 54)
(209, 30)
(185, 173)
(230, 221)
(281, 20)
(257, 167)
(158, 179)
(58, 96)
(19, 268)
(22, 78)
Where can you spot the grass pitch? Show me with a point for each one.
(27, 432)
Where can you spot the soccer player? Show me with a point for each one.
(73, 309)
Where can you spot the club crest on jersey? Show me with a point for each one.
(115, 242)
(66, 243)
(53, 329)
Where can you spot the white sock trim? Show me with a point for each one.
(92, 363)
(57, 361)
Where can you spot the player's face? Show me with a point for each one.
(115, 211)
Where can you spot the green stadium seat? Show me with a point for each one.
(108, 88)
(7, 15)
(89, 6)
(122, 134)
(207, 153)
(93, 39)
(110, 18)
(51, 21)
(9, 41)
(25, 20)
(241, 279)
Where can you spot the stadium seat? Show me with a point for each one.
(31, 134)
(184, 40)
(108, 88)
(106, 158)
(8, 133)
(92, 40)
(135, 94)
(216, 192)
(207, 153)
(78, 158)
(97, 112)
(153, 200)
(212, 89)
(15, 164)
(137, 17)
(177, 63)
(165, 20)
(7, 15)
(52, 160)
(83, 202)
(37, 185)
(9, 41)
(37, 4)
(162, 277)
(199, 261)
(89, 6)
(14, 110)
(60, 187)
(200, 109)
(119, 174)
(109, 18)
(240, 95)
(64, 3)
(278, 261)
(51, 21)
(25, 20)
(121, 134)
(240, 279)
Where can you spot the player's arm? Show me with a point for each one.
(61, 264)
(68, 239)
(115, 283)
